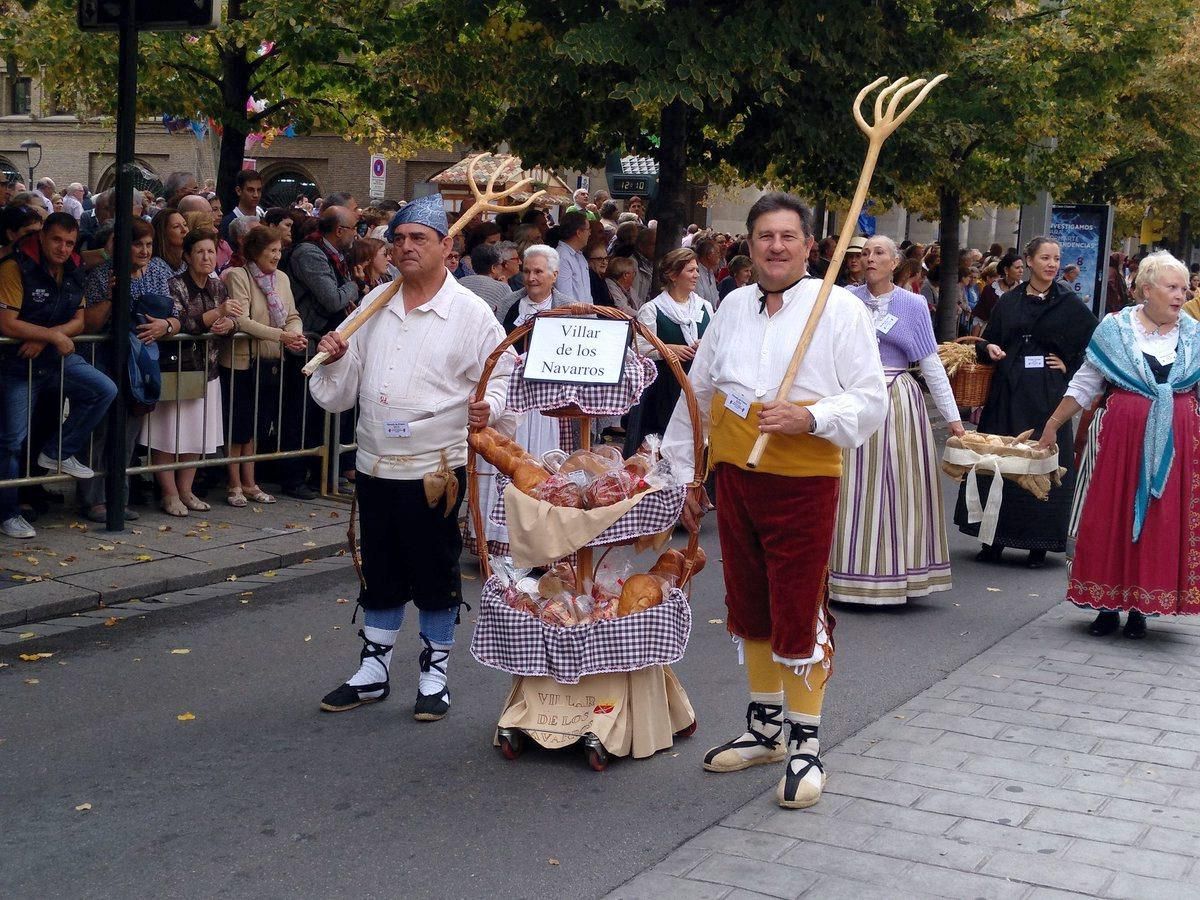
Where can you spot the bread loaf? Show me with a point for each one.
(502, 452)
(672, 563)
(528, 476)
(585, 461)
(640, 592)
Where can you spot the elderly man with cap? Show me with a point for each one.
(411, 369)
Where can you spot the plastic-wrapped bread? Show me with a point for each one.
(609, 488)
(560, 490)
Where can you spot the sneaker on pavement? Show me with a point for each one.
(70, 466)
(17, 527)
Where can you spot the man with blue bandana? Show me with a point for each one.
(411, 369)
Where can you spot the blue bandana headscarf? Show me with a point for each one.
(1115, 352)
(428, 211)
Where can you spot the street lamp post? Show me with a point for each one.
(29, 146)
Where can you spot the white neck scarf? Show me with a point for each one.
(528, 309)
(687, 315)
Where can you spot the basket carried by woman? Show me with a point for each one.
(969, 379)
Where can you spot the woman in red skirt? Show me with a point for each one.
(1139, 536)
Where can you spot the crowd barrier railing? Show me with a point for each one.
(278, 395)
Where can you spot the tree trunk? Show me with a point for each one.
(235, 70)
(670, 206)
(819, 217)
(950, 202)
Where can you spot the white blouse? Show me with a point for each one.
(1088, 382)
(746, 352)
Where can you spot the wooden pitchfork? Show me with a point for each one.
(886, 121)
(485, 201)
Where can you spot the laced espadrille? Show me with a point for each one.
(758, 745)
(432, 706)
(804, 778)
(373, 659)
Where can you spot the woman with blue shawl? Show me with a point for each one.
(1139, 547)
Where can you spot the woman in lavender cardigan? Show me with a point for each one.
(890, 540)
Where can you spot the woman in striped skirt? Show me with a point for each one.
(890, 541)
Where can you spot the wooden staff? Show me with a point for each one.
(485, 201)
(886, 121)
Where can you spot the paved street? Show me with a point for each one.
(1054, 765)
(262, 795)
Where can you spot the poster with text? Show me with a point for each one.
(1082, 231)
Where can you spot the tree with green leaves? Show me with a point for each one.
(297, 58)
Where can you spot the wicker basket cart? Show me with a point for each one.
(605, 685)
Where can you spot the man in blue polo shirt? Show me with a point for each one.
(41, 305)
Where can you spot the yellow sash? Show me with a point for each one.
(731, 439)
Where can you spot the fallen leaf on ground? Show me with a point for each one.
(3, 665)
(290, 525)
(309, 544)
(270, 573)
(69, 558)
(135, 531)
(83, 807)
(26, 635)
(307, 638)
(342, 600)
(312, 515)
(32, 681)
(164, 527)
(994, 590)
(246, 594)
(34, 657)
(231, 578)
(33, 560)
(1035, 595)
(181, 650)
(256, 509)
(186, 717)
(716, 621)
(335, 515)
(143, 557)
(63, 564)
(79, 525)
(111, 621)
(554, 862)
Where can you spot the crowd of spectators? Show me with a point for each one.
(255, 287)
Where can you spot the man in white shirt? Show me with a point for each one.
(573, 279)
(708, 254)
(73, 200)
(776, 520)
(44, 191)
(248, 188)
(411, 369)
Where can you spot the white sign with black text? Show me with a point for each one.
(577, 351)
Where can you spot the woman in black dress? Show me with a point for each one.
(1035, 337)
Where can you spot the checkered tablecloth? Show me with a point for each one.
(515, 642)
(592, 399)
(654, 513)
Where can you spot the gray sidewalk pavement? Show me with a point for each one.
(1053, 765)
(73, 565)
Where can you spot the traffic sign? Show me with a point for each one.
(378, 188)
(150, 15)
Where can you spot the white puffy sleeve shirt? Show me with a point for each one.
(747, 352)
(412, 376)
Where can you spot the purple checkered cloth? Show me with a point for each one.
(515, 642)
(654, 513)
(593, 399)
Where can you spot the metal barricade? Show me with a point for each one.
(272, 446)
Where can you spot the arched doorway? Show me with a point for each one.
(7, 169)
(144, 179)
(283, 186)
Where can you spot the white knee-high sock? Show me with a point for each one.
(435, 659)
(374, 670)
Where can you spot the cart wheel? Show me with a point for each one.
(689, 731)
(597, 758)
(512, 744)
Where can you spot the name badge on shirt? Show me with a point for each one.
(884, 325)
(1167, 358)
(738, 404)
(397, 429)
(1035, 362)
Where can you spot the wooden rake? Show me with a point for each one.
(886, 121)
(485, 201)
